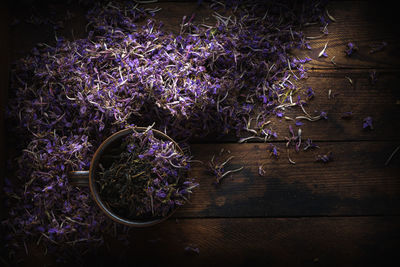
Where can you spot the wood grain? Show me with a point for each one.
(4, 70)
(356, 183)
(364, 24)
(342, 241)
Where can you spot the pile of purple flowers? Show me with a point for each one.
(147, 179)
(67, 98)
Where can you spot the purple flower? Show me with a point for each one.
(130, 147)
(273, 151)
(55, 231)
(300, 102)
(47, 188)
(310, 93)
(324, 115)
(325, 158)
(367, 123)
(351, 48)
(323, 54)
(67, 206)
(83, 110)
(161, 194)
(309, 144)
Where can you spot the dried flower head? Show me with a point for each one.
(351, 48)
(367, 123)
(146, 178)
(325, 158)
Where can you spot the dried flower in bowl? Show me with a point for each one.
(145, 177)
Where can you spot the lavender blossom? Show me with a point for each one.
(325, 158)
(309, 145)
(367, 123)
(350, 49)
(273, 150)
(310, 93)
(323, 115)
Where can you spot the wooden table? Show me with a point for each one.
(345, 212)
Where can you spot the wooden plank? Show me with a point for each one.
(4, 75)
(356, 183)
(363, 23)
(346, 241)
(24, 36)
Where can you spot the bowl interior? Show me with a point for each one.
(103, 155)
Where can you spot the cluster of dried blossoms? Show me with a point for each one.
(69, 97)
(146, 177)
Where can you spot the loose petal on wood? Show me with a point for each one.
(379, 101)
(356, 182)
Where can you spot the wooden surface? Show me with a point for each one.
(344, 213)
(4, 70)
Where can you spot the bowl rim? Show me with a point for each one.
(95, 159)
